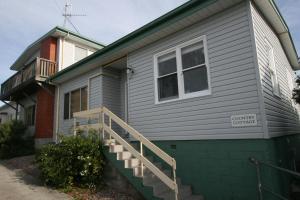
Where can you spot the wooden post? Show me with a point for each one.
(142, 154)
(74, 126)
(109, 126)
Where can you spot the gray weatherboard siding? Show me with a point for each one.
(233, 81)
(282, 117)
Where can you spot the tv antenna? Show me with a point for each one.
(67, 14)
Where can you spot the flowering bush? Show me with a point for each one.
(75, 161)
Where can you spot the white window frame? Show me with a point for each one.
(180, 76)
(272, 68)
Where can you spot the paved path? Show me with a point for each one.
(14, 185)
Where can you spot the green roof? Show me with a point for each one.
(55, 30)
(164, 19)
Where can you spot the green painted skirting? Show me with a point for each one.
(220, 169)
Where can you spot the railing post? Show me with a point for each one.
(74, 126)
(103, 121)
(142, 154)
(174, 177)
(259, 183)
(109, 123)
(37, 67)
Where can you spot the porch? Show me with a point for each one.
(37, 70)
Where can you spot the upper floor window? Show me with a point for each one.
(75, 101)
(182, 72)
(272, 68)
(80, 53)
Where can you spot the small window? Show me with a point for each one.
(80, 53)
(272, 68)
(75, 101)
(182, 72)
(30, 115)
(167, 76)
(194, 68)
(67, 106)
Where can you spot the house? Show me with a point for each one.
(33, 97)
(7, 112)
(208, 84)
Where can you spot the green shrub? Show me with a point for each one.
(75, 161)
(13, 140)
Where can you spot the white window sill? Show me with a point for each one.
(186, 96)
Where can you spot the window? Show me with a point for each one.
(272, 68)
(75, 101)
(67, 106)
(30, 115)
(80, 53)
(290, 80)
(182, 72)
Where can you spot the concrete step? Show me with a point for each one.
(160, 188)
(125, 155)
(132, 163)
(150, 179)
(108, 142)
(185, 191)
(116, 148)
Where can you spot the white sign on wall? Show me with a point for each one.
(243, 120)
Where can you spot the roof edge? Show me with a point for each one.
(147, 27)
(50, 33)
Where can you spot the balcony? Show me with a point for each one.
(38, 70)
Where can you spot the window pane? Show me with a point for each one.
(66, 106)
(30, 115)
(80, 53)
(75, 101)
(167, 64)
(168, 87)
(192, 55)
(195, 80)
(84, 98)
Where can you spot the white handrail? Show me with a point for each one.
(101, 112)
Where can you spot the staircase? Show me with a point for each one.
(150, 173)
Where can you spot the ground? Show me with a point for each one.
(16, 184)
(19, 181)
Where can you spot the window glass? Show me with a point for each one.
(272, 68)
(182, 71)
(195, 80)
(192, 55)
(75, 102)
(80, 53)
(66, 106)
(168, 87)
(84, 98)
(167, 64)
(30, 115)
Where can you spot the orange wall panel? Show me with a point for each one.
(48, 48)
(44, 113)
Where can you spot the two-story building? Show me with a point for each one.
(209, 83)
(33, 98)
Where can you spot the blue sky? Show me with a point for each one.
(22, 22)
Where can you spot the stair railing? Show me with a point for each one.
(260, 186)
(101, 114)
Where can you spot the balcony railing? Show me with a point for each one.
(39, 69)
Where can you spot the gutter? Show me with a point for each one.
(172, 16)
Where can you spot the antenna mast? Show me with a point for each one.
(67, 14)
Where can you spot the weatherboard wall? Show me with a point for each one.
(281, 113)
(233, 82)
(65, 126)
